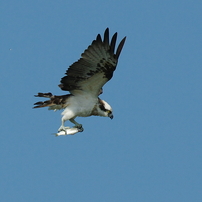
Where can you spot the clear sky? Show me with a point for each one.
(151, 150)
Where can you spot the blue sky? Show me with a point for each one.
(151, 150)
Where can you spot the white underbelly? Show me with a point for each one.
(81, 105)
(85, 109)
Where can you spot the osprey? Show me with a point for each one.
(84, 80)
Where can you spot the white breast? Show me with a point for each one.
(80, 105)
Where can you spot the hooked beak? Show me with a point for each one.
(110, 116)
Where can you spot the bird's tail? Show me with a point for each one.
(54, 103)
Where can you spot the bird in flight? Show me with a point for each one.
(84, 80)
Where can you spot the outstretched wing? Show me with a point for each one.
(94, 68)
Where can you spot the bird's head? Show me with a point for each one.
(104, 109)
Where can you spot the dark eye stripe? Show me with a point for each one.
(105, 110)
(102, 108)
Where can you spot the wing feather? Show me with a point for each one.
(94, 68)
(106, 36)
(113, 43)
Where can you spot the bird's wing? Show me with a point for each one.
(94, 68)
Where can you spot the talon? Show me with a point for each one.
(79, 127)
(62, 128)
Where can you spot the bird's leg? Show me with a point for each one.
(62, 127)
(77, 125)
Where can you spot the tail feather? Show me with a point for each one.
(49, 95)
(54, 103)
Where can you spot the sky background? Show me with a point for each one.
(151, 150)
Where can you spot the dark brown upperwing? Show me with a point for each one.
(98, 58)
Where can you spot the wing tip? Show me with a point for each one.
(113, 43)
(106, 36)
(99, 38)
(120, 46)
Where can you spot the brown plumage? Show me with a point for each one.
(59, 101)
